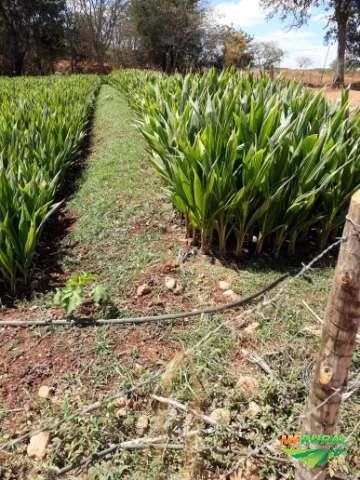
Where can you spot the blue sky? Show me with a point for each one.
(307, 41)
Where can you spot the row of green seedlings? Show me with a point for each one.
(42, 126)
(249, 161)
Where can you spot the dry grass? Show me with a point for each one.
(317, 78)
(334, 95)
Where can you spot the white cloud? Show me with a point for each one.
(300, 43)
(246, 14)
(241, 13)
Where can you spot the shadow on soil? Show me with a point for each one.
(281, 264)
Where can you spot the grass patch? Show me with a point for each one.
(118, 202)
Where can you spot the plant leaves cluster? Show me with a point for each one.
(42, 126)
(248, 160)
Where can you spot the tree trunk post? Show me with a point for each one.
(339, 77)
(338, 341)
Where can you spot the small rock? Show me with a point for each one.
(248, 384)
(138, 368)
(120, 402)
(142, 425)
(45, 391)
(37, 445)
(224, 285)
(253, 409)
(144, 289)
(170, 283)
(221, 415)
(121, 412)
(178, 290)
(231, 295)
(228, 293)
(251, 329)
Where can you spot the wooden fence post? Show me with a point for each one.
(338, 341)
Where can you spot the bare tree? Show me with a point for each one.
(99, 18)
(266, 55)
(304, 62)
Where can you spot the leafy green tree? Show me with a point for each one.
(341, 14)
(170, 31)
(31, 31)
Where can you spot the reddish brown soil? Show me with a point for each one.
(27, 362)
(334, 95)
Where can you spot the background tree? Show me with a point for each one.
(77, 36)
(31, 32)
(304, 62)
(126, 49)
(167, 34)
(236, 51)
(213, 39)
(341, 12)
(96, 22)
(266, 55)
(353, 41)
(170, 31)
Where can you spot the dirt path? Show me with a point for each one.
(334, 95)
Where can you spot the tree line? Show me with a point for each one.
(172, 35)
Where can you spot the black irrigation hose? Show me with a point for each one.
(135, 320)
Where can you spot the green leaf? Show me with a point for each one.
(100, 294)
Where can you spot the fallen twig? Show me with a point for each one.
(180, 406)
(135, 444)
(313, 313)
(257, 360)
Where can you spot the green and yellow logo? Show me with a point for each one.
(314, 450)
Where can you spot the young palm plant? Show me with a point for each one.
(249, 158)
(42, 124)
